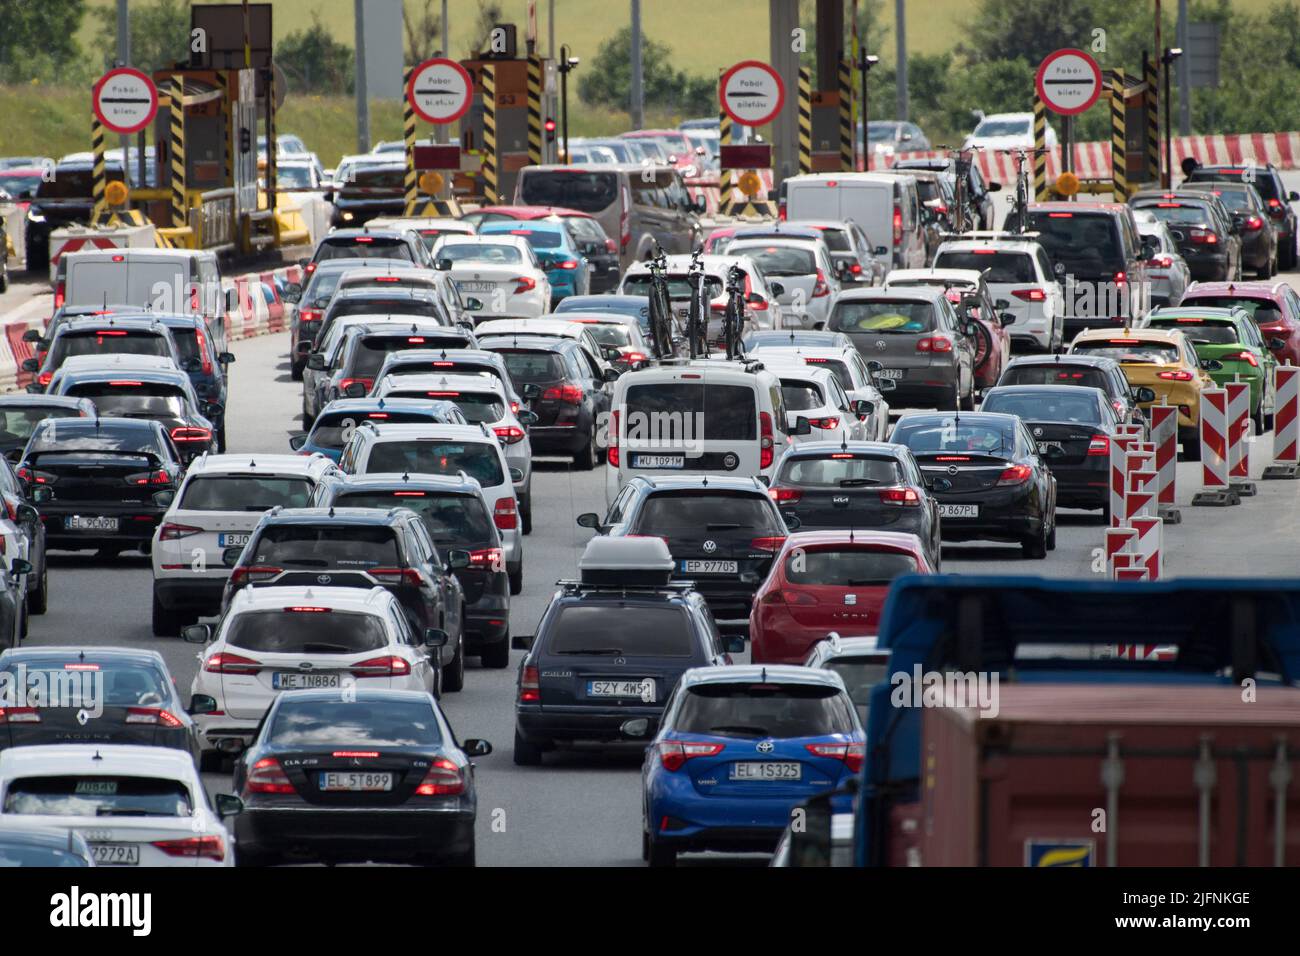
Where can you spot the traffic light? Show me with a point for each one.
(549, 126)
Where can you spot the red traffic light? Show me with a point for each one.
(550, 125)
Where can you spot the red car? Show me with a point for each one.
(824, 581)
(1274, 306)
(722, 235)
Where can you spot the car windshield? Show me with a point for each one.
(882, 317)
(329, 545)
(726, 412)
(374, 177)
(132, 399)
(116, 683)
(1002, 127)
(309, 724)
(847, 567)
(1130, 350)
(678, 286)
(585, 192)
(778, 260)
(292, 177)
(621, 630)
(800, 396)
(98, 795)
(1053, 405)
(480, 461)
(877, 132)
(452, 519)
(245, 492)
(840, 470)
(738, 709)
(21, 186)
(315, 630)
(1200, 331)
(695, 512)
(493, 252)
(18, 423)
(531, 367)
(930, 435)
(1001, 266)
(363, 247)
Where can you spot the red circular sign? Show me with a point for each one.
(751, 93)
(1068, 81)
(125, 100)
(440, 91)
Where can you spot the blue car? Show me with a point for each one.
(637, 306)
(335, 424)
(566, 267)
(737, 750)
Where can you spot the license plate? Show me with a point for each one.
(357, 782)
(658, 461)
(115, 854)
(476, 286)
(710, 567)
(640, 689)
(766, 770)
(231, 539)
(890, 373)
(1044, 445)
(289, 680)
(959, 511)
(85, 523)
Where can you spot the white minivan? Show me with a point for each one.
(887, 206)
(706, 416)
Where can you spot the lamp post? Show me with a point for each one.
(865, 64)
(567, 63)
(1167, 58)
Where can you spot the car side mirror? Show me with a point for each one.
(457, 559)
(355, 390)
(874, 367)
(522, 642)
(928, 482)
(880, 251)
(20, 566)
(443, 265)
(474, 747)
(591, 520)
(316, 362)
(611, 374)
(473, 304)
(862, 408)
(201, 704)
(1276, 344)
(230, 556)
(532, 392)
(211, 409)
(32, 335)
(228, 805)
(994, 187)
(164, 499)
(1001, 304)
(31, 365)
(26, 514)
(527, 416)
(435, 637)
(292, 289)
(1144, 393)
(778, 288)
(296, 442)
(735, 644)
(792, 522)
(226, 358)
(755, 299)
(1212, 365)
(1006, 318)
(635, 728)
(42, 494)
(969, 330)
(801, 426)
(197, 634)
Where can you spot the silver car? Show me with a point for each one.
(1167, 270)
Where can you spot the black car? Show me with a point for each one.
(40, 339)
(127, 695)
(610, 648)
(990, 480)
(360, 548)
(861, 485)
(567, 391)
(64, 199)
(109, 481)
(371, 244)
(337, 421)
(21, 412)
(457, 519)
(379, 776)
(207, 368)
(383, 303)
(1268, 182)
(373, 190)
(599, 250)
(1088, 371)
(1204, 234)
(1259, 240)
(723, 532)
(1072, 428)
(107, 335)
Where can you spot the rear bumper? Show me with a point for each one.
(1083, 486)
(1008, 515)
(487, 620)
(1208, 267)
(136, 526)
(360, 833)
(550, 439)
(939, 394)
(199, 595)
(727, 598)
(546, 726)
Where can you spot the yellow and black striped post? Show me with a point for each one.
(1153, 120)
(1118, 148)
(846, 116)
(534, 110)
(98, 171)
(725, 177)
(408, 137)
(272, 153)
(491, 195)
(805, 121)
(176, 103)
(1040, 149)
(227, 114)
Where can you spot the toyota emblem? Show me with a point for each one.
(766, 747)
(952, 469)
(710, 547)
(323, 579)
(881, 345)
(1038, 433)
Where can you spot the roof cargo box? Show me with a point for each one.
(626, 562)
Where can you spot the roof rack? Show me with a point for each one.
(571, 586)
(989, 234)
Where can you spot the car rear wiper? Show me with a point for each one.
(857, 482)
(865, 582)
(610, 651)
(747, 729)
(721, 526)
(327, 649)
(307, 562)
(121, 812)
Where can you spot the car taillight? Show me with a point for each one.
(633, 358)
(934, 343)
(788, 596)
(770, 543)
(905, 497)
(820, 288)
(1244, 357)
(781, 495)
(152, 715)
(1162, 262)
(201, 343)
(309, 268)
(611, 453)
(159, 477)
(610, 246)
(44, 378)
(505, 514)
(1029, 295)
(898, 226)
(567, 264)
(226, 663)
(509, 434)
(190, 433)
(19, 715)
(530, 686)
(766, 440)
(396, 576)
(486, 558)
(524, 284)
(567, 393)
(1253, 223)
(60, 296)
(247, 574)
(347, 383)
(267, 776)
(830, 422)
(855, 268)
(390, 665)
(1276, 209)
(210, 847)
(306, 316)
(1015, 475)
(174, 532)
(851, 754)
(444, 779)
(1100, 445)
(36, 477)
(1204, 237)
(674, 753)
(1120, 278)
(1182, 375)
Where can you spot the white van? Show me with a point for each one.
(703, 416)
(887, 206)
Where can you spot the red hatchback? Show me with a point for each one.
(824, 581)
(1274, 306)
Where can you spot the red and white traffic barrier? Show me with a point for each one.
(1130, 567)
(1118, 541)
(1214, 439)
(1150, 544)
(1286, 423)
(1164, 435)
(1140, 495)
(1119, 447)
(1238, 430)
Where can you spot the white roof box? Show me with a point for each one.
(628, 562)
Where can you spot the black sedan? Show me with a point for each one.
(1072, 428)
(377, 777)
(986, 471)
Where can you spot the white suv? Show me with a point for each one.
(447, 450)
(1018, 272)
(219, 503)
(816, 394)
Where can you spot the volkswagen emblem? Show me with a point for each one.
(881, 345)
(323, 579)
(729, 461)
(1038, 433)
(710, 547)
(765, 747)
(952, 469)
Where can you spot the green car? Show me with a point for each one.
(1231, 338)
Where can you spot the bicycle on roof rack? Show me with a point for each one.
(733, 318)
(696, 318)
(1018, 215)
(660, 307)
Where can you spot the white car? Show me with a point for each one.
(1006, 131)
(763, 309)
(274, 639)
(1166, 269)
(134, 805)
(815, 394)
(14, 546)
(804, 269)
(856, 376)
(219, 503)
(501, 271)
(428, 228)
(1016, 270)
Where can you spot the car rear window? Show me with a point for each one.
(333, 545)
(532, 367)
(354, 723)
(837, 240)
(1130, 350)
(800, 396)
(609, 333)
(363, 247)
(323, 631)
(847, 567)
(367, 305)
(860, 675)
(1264, 182)
(495, 252)
(1263, 311)
(477, 407)
(245, 492)
(369, 353)
(882, 317)
(321, 288)
(1085, 243)
(1201, 331)
(106, 342)
(724, 411)
(840, 472)
(1180, 213)
(678, 286)
(124, 683)
(336, 429)
(620, 630)
(956, 435)
(840, 369)
(187, 345)
(537, 238)
(1001, 266)
(16, 423)
(585, 192)
(1057, 373)
(1236, 199)
(776, 261)
(132, 399)
(1055, 405)
(480, 461)
(109, 440)
(679, 512)
(98, 795)
(736, 709)
(452, 519)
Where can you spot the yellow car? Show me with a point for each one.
(1162, 360)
